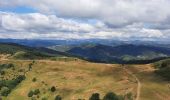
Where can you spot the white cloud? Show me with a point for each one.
(152, 33)
(40, 26)
(68, 19)
(113, 12)
(37, 22)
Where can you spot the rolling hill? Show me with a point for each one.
(24, 52)
(78, 80)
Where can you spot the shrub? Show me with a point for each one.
(111, 96)
(5, 91)
(129, 96)
(53, 89)
(164, 69)
(44, 98)
(30, 66)
(30, 94)
(58, 97)
(2, 72)
(34, 79)
(10, 65)
(95, 96)
(11, 83)
(36, 91)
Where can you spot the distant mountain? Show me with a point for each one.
(61, 43)
(25, 52)
(120, 54)
(33, 42)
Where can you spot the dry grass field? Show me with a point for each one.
(79, 79)
(153, 87)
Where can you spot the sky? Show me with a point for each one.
(85, 19)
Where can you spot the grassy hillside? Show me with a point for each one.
(78, 79)
(153, 86)
(73, 80)
(23, 52)
(55, 75)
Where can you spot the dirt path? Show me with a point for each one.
(137, 81)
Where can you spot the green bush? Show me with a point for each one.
(44, 98)
(95, 96)
(34, 79)
(58, 97)
(11, 84)
(164, 72)
(36, 91)
(163, 69)
(111, 96)
(53, 89)
(2, 72)
(129, 96)
(30, 94)
(6, 66)
(5, 91)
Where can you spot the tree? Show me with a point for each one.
(53, 89)
(95, 96)
(58, 97)
(111, 96)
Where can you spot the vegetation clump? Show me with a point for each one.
(58, 97)
(163, 69)
(95, 96)
(111, 96)
(31, 93)
(34, 79)
(36, 91)
(5, 91)
(7, 85)
(53, 89)
(6, 66)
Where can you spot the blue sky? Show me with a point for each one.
(85, 19)
(20, 9)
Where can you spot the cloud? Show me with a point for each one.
(40, 26)
(36, 22)
(70, 19)
(115, 13)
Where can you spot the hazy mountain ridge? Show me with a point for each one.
(74, 42)
(129, 52)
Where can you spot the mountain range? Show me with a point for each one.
(120, 54)
(91, 50)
